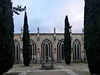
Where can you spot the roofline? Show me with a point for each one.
(50, 33)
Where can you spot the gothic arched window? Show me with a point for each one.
(33, 50)
(17, 51)
(46, 48)
(60, 50)
(76, 50)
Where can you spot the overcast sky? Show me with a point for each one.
(50, 14)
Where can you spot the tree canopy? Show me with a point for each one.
(6, 36)
(67, 42)
(26, 42)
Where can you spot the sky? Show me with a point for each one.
(50, 14)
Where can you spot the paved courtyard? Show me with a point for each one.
(60, 69)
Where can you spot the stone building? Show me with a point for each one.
(47, 45)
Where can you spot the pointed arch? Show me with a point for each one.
(33, 50)
(76, 50)
(17, 51)
(60, 50)
(46, 50)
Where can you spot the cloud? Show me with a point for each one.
(75, 12)
(48, 15)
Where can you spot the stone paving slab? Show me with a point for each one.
(81, 72)
(60, 69)
(48, 73)
(13, 73)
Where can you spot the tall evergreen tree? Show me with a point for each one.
(67, 42)
(6, 36)
(26, 42)
(92, 34)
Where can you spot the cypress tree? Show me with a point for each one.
(92, 35)
(26, 42)
(6, 36)
(67, 42)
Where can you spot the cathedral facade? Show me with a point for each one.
(47, 45)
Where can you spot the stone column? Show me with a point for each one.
(21, 56)
(54, 47)
(38, 47)
(21, 46)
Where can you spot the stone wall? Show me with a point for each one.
(54, 38)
